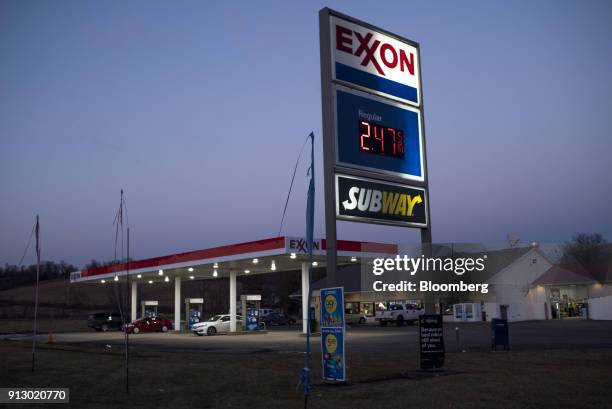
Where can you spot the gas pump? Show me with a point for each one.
(193, 310)
(250, 308)
(149, 308)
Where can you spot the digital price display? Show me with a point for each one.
(381, 139)
(378, 135)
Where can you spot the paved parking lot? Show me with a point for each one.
(568, 334)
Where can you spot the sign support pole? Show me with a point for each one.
(428, 298)
(329, 151)
(426, 240)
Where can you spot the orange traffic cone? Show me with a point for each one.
(50, 338)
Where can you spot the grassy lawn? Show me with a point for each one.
(542, 379)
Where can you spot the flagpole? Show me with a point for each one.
(36, 294)
(309, 242)
(128, 294)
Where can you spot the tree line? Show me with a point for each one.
(12, 276)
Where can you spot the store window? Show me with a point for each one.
(381, 305)
(351, 307)
(366, 309)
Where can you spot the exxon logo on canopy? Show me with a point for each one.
(375, 61)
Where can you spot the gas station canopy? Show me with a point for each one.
(254, 257)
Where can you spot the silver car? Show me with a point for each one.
(217, 324)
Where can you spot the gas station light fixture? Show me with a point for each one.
(273, 266)
(215, 274)
(190, 269)
(116, 278)
(150, 282)
(166, 279)
(293, 256)
(102, 281)
(160, 272)
(191, 277)
(255, 260)
(139, 276)
(353, 259)
(247, 271)
(315, 263)
(216, 265)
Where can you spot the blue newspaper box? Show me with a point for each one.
(499, 334)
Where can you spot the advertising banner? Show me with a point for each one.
(332, 346)
(332, 334)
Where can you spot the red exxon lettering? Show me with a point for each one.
(388, 54)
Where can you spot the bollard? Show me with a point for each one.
(457, 338)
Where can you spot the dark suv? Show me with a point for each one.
(277, 318)
(103, 321)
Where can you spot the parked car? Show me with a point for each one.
(277, 318)
(354, 318)
(149, 324)
(264, 312)
(215, 325)
(103, 321)
(399, 314)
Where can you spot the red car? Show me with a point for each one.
(149, 324)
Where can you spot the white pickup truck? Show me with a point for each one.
(399, 314)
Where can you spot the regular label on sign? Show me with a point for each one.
(374, 60)
(368, 200)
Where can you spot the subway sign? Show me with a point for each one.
(373, 201)
(375, 60)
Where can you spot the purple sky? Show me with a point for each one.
(198, 110)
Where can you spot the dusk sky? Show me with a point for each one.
(198, 111)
